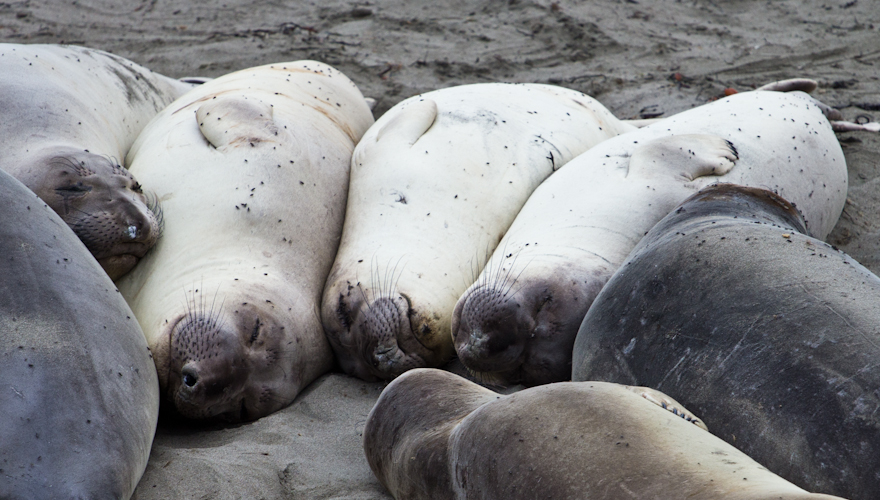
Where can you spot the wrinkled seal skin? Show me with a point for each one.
(435, 435)
(518, 321)
(252, 170)
(80, 397)
(768, 334)
(435, 183)
(69, 116)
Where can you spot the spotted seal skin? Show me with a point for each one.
(70, 115)
(435, 183)
(768, 334)
(252, 170)
(80, 397)
(435, 435)
(518, 321)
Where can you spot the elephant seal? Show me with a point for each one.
(435, 183)
(518, 321)
(767, 333)
(433, 434)
(252, 169)
(79, 393)
(69, 116)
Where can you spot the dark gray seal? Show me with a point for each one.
(78, 391)
(768, 334)
(435, 435)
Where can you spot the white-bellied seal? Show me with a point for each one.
(69, 116)
(433, 434)
(518, 321)
(79, 394)
(434, 185)
(252, 171)
(768, 334)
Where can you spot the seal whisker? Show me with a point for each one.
(514, 282)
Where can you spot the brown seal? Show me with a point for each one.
(433, 434)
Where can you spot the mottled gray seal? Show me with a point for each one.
(69, 116)
(252, 170)
(518, 321)
(435, 183)
(435, 435)
(768, 334)
(79, 394)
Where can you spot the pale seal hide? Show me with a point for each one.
(252, 170)
(435, 183)
(435, 435)
(69, 116)
(768, 334)
(518, 321)
(79, 394)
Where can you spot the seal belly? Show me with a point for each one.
(252, 169)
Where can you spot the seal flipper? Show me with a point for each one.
(667, 403)
(690, 156)
(845, 126)
(791, 85)
(229, 122)
(411, 123)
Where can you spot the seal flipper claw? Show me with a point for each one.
(690, 155)
(667, 403)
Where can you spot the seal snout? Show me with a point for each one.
(490, 333)
(208, 368)
(386, 337)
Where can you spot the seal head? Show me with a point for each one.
(385, 332)
(102, 202)
(232, 364)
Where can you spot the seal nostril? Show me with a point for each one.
(190, 379)
(132, 232)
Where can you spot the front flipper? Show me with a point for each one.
(690, 156)
(401, 131)
(230, 122)
(667, 403)
(410, 124)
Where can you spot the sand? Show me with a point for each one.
(640, 58)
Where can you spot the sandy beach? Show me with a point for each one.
(640, 58)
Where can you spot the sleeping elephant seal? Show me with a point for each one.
(79, 394)
(69, 116)
(435, 435)
(434, 185)
(252, 171)
(770, 335)
(518, 321)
